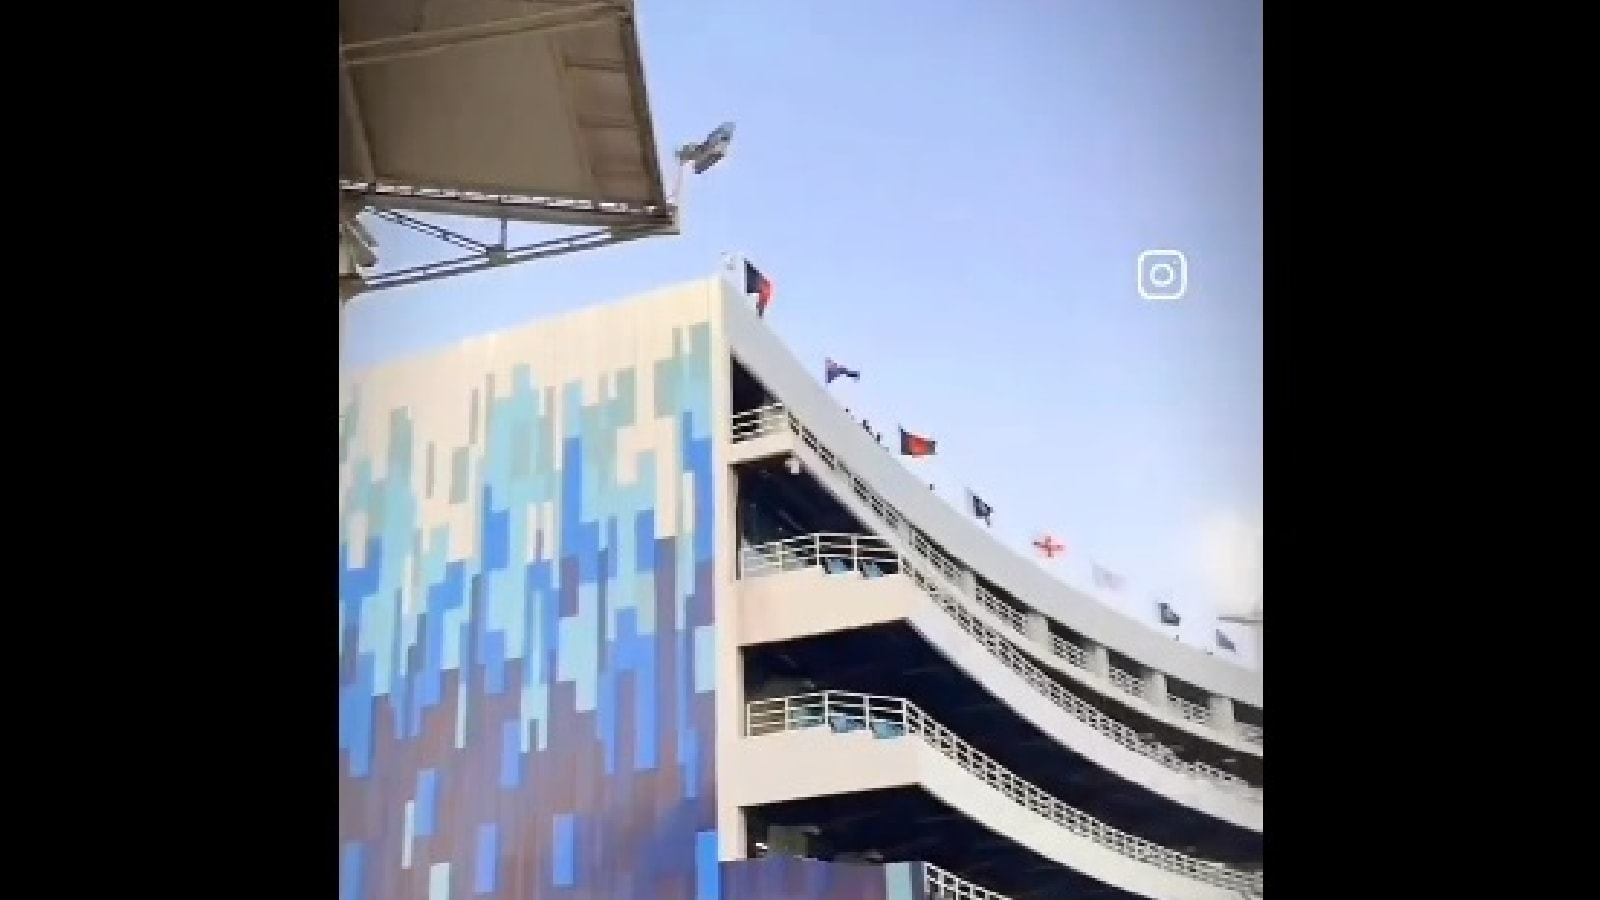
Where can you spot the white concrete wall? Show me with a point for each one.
(809, 603)
(730, 675)
(798, 388)
(759, 448)
(817, 762)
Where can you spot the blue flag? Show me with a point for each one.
(980, 509)
(832, 370)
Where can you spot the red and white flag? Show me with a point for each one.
(1048, 547)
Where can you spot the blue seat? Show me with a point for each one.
(805, 717)
(887, 730)
(844, 724)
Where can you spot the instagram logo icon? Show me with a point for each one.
(1163, 274)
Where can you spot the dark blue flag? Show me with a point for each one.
(832, 370)
(981, 509)
(1169, 616)
(1224, 641)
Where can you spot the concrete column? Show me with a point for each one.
(1039, 630)
(737, 844)
(729, 697)
(903, 529)
(968, 582)
(1155, 686)
(1099, 659)
(1222, 715)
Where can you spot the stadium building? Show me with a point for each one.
(631, 609)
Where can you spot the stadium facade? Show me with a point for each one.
(631, 608)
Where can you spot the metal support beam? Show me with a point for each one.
(356, 123)
(432, 230)
(482, 256)
(514, 208)
(422, 43)
(495, 257)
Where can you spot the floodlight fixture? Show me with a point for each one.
(709, 152)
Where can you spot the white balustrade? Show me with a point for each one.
(871, 556)
(834, 553)
(1069, 651)
(776, 418)
(941, 885)
(1194, 712)
(891, 718)
(754, 423)
(1127, 682)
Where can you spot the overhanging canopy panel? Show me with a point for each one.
(533, 111)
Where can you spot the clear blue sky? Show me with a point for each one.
(950, 196)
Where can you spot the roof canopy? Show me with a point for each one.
(528, 110)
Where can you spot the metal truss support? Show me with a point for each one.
(514, 207)
(631, 226)
(481, 256)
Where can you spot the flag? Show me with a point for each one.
(1049, 547)
(980, 509)
(1169, 616)
(1107, 580)
(758, 284)
(1224, 641)
(832, 370)
(915, 445)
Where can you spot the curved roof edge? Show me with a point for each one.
(770, 360)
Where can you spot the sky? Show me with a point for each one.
(952, 197)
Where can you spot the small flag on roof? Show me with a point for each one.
(1049, 547)
(1169, 616)
(1224, 641)
(915, 445)
(980, 509)
(758, 284)
(832, 370)
(1107, 580)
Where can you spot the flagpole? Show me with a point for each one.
(1255, 625)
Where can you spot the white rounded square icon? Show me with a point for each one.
(1163, 274)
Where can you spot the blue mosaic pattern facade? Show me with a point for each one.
(788, 878)
(531, 716)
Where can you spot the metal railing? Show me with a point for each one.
(754, 423)
(835, 554)
(1190, 710)
(1069, 651)
(871, 555)
(776, 418)
(890, 718)
(1127, 681)
(941, 885)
